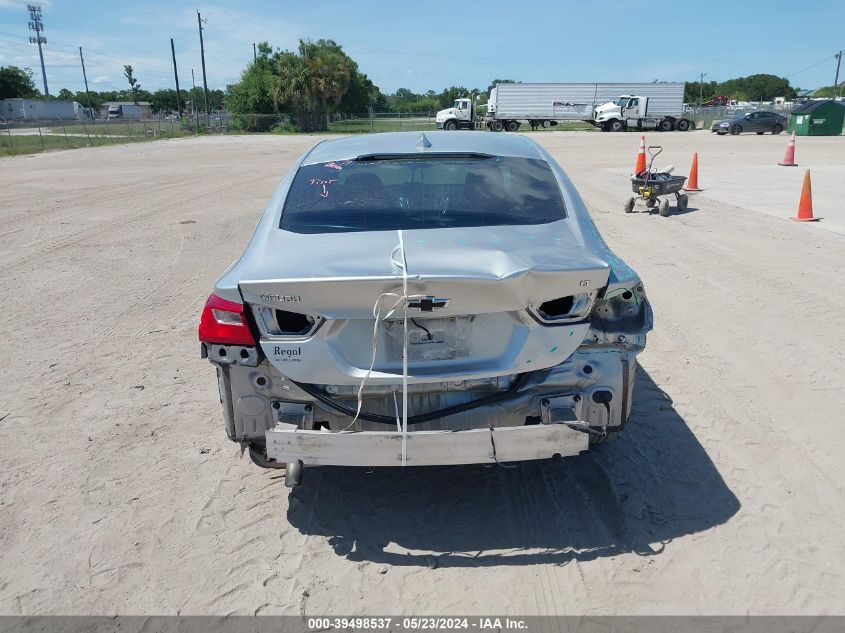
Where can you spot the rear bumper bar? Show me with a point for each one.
(424, 448)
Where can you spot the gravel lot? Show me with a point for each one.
(120, 494)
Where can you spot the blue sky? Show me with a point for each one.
(432, 44)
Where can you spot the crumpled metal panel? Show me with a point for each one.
(480, 269)
(493, 273)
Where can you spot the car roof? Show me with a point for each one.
(747, 112)
(348, 147)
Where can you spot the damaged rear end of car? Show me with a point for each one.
(411, 301)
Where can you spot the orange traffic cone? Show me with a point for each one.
(640, 166)
(789, 157)
(692, 181)
(805, 206)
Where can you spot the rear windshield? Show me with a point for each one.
(389, 193)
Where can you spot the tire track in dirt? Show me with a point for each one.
(648, 523)
(39, 248)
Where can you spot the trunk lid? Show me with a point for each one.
(480, 281)
(480, 270)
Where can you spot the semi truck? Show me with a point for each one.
(612, 107)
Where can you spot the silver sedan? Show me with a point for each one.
(413, 299)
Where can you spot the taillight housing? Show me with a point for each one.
(569, 309)
(224, 322)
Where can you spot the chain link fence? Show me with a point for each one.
(705, 117)
(362, 122)
(34, 135)
(28, 136)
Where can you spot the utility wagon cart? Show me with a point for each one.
(649, 185)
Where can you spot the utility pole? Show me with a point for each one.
(35, 24)
(202, 56)
(836, 81)
(85, 77)
(176, 76)
(194, 100)
(254, 54)
(701, 89)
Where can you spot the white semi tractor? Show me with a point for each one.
(613, 107)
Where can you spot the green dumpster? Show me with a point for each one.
(818, 118)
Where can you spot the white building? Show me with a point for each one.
(128, 110)
(17, 109)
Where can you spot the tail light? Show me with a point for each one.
(223, 322)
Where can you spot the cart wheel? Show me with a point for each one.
(650, 202)
(683, 202)
(629, 205)
(663, 208)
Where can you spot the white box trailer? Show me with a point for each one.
(17, 109)
(610, 106)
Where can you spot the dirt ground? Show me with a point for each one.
(120, 494)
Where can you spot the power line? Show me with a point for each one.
(99, 57)
(811, 67)
(72, 50)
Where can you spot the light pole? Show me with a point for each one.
(701, 89)
(35, 24)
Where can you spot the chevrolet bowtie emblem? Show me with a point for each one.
(428, 304)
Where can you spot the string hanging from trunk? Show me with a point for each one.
(385, 307)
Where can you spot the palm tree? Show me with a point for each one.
(311, 81)
(330, 75)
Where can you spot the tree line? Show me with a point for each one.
(319, 81)
(17, 83)
(760, 87)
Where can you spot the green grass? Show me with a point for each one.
(404, 124)
(98, 133)
(382, 124)
(134, 129)
(76, 138)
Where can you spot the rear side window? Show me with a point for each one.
(410, 192)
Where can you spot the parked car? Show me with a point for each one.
(417, 299)
(760, 122)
